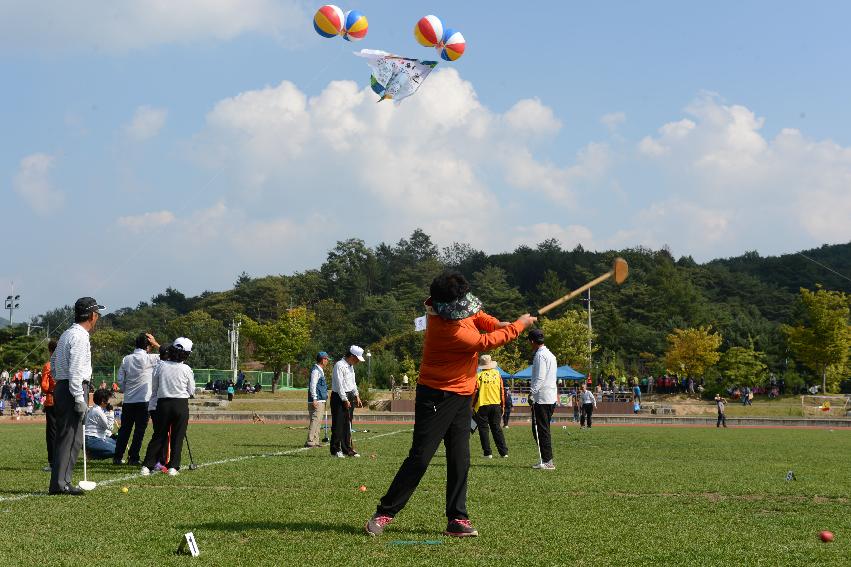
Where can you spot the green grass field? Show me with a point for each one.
(620, 496)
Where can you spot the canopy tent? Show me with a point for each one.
(562, 373)
(503, 373)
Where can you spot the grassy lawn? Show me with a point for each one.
(620, 496)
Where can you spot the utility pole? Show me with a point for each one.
(590, 345)
(233, 337)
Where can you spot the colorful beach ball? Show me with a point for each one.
(328, 21)
(355, 26)
(453, 45)
(428, 31)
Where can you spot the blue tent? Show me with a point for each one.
(562, 373)
(503, 373)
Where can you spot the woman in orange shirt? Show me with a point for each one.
(457, 330)
(47, 386)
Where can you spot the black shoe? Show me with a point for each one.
(135, 463)
(460, 528)
(117, 462)
(68, 490)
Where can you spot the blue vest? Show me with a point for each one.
(321, 386)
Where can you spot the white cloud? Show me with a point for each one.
(146, 221)
(724, 187)
(138, 24)
(613, 120)
(146, 123)
(426, 163)
(32, 183)
(530, 116)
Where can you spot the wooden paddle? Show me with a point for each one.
(620, 269)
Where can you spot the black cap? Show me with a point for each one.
(536, 336)
(86, 305)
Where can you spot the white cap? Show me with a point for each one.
(357, 351)
(183, 344)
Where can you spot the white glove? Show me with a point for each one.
(80, 405)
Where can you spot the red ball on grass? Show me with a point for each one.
(826, 536)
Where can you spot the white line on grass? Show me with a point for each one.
(200, 465)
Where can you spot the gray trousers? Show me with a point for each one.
(69, 436)
(315, 423)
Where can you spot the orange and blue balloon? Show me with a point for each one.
(329, 20)
(428, 31)
(355, 26)
(453, 45)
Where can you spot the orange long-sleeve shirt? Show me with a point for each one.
(47, 385)
(451, 350)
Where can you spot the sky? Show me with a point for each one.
(154, 143)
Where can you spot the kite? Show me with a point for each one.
(395, 77)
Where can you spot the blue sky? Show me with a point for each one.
(178, 143)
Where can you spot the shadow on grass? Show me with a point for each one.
(276, 526)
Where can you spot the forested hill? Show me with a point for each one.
(801, 269)
(370, 296)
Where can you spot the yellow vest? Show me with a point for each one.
(490, 388)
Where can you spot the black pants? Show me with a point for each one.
(69, 436)
(133, 415)
(722, 420)
(505, 415)
(50, 432)
(587, 411)
(541, 415)
(491, 415)
(438, 416)
(171, 413)
(341, 426)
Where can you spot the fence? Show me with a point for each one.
(109, 374)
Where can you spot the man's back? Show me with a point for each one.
(135, 375)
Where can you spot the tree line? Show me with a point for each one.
(733, 320)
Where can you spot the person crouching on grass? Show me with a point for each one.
(457, 331)
(172, 385)
(100, 442)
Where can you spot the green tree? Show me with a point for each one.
(692, 351)
(499, 298)
(549, 288)
(822, 339)
(282, 341)
(109, 346)
(18, 351)
(511, 357)
(743, 366)
(209, 336)
(567, 338)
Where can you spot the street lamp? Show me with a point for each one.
(12, 304)
(30, 327)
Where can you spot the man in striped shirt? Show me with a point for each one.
(71, 365)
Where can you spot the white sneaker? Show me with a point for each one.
(339, 455)
(489, 456)
(356, 455)
(548, 466)
(145, 471)
(173, 472)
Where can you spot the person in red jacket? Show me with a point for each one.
(457, 330)
(47, 385)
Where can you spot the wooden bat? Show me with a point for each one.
(620, 269)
